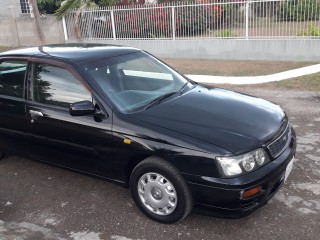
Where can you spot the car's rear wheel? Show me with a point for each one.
(159, 191)
(2, 155)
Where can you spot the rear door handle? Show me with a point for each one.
(35, 115)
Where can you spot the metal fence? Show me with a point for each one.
(242, 19)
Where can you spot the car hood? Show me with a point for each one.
(233, 121)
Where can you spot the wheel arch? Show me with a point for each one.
(134, 161)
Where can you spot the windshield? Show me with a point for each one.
(134, 80)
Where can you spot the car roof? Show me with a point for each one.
(76, 52)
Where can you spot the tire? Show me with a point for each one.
(159, 191)
(1, 155)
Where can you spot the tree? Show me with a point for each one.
(48, 6)
(68, 5)
(104, 3)
(37, 19)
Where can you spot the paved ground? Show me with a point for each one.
(38, 201)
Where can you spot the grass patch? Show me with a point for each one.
(233, 67)
(308, 82)
(3, 49)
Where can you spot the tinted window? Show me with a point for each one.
(12, 78)
(57, 86)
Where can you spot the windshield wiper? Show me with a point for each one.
(158, 100)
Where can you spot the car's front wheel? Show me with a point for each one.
(159, 191)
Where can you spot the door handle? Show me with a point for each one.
(35, 115)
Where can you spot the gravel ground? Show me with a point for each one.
(39, 201)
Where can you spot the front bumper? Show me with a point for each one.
(222, 197)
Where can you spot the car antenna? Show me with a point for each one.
(40, 48)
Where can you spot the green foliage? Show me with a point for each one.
(104, 3)
(155, 23)
(48, 6)
(54, 6)
(68, 5)
(224, 34)
(230, 14)
(312, 31)
(191, 20)
(196, 20)
(298, 10)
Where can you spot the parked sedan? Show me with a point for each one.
(123, 115)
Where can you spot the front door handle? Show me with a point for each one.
(35, 115)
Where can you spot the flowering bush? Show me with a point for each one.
(157, 22)
(154, 22)
(195, 20)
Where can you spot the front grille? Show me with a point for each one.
(281, 143)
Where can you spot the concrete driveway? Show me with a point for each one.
(39, 201)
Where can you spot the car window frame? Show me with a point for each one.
(26, 75)
(55, 63)
(106, 109)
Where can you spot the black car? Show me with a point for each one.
(122, 114)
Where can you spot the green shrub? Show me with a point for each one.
(191, 21)
(298, 10)
(196, 20)
(312, 31)
(230, 14)
(225, 34)
(48, 6)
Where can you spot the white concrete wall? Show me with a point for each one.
(21, 31)
(286, 50)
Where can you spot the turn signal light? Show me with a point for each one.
(251, 192)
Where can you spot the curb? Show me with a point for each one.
(257, 79)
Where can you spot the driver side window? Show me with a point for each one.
(57, 86)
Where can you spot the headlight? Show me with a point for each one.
(237, 165)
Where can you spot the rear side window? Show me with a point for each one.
(12, 74)
(57, 86)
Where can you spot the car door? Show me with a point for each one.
(79, 142)
(13, 127)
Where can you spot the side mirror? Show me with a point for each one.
(81, 108)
